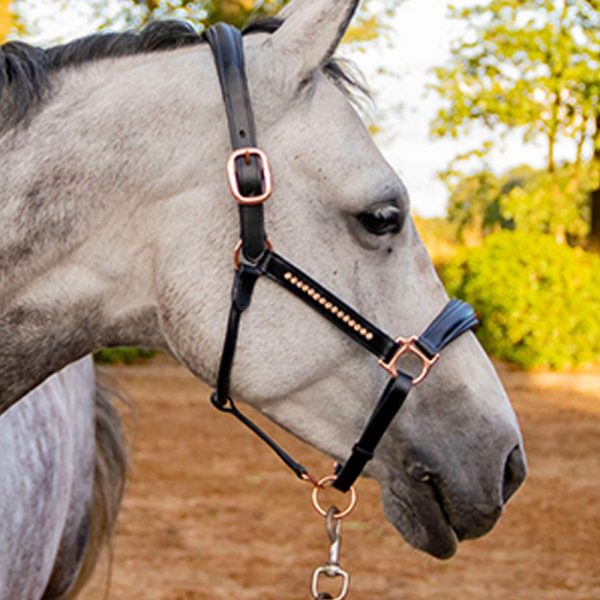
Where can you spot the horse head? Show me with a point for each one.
(454, 455)
(118, 182)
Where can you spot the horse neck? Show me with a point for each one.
(74, 179)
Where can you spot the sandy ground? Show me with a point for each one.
(209, 512)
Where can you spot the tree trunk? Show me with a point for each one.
(551, 143)
(595, 222)
(595, 194)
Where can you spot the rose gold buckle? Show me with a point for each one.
(409, 346)
(234, 184)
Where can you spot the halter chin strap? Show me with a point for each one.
(250, 183)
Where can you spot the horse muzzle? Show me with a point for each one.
(436, 507)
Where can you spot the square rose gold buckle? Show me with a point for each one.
(234, 185)
(409, 346)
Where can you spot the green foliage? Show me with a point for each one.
(525, 199)
(555, 204)
(528, 64)
(123, 355)
(473, 205)
(539, 301)
(531, 66)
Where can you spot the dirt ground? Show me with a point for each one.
(210, 513)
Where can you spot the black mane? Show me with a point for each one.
(25, 70)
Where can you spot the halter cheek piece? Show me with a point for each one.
(251, 185)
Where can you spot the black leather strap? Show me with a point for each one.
(228, 52)
(241, 297)
(389, 404)
(456, 318)
(328, 305)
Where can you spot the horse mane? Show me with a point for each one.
(25, 70)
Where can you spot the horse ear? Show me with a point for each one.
(311, 31)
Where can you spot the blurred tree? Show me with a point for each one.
(519, 199)
(368, 25)
(371, 21)
(6, 19)
(473, 207)
(545, 202)
(538, 300)
(533, 66)
(439, 238)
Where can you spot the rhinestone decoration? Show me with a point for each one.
(328, 305)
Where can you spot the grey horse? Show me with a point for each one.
(117, 229)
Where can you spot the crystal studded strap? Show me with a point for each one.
(343, 316)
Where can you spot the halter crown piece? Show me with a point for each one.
(251, 186)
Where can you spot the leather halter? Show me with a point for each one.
(250, 183)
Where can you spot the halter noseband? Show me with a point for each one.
(251, 185)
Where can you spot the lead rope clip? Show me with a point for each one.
(332, 568)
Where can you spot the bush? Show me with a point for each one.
(539, 302)
(123, 355)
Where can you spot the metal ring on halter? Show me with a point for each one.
(325, 482)
(238, 249)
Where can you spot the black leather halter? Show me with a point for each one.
(250, 182)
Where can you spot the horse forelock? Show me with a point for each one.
(26, 70)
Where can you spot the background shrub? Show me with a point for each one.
(123, 355)
(539, 301)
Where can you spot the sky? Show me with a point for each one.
(419, 39)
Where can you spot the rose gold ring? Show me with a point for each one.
(238, 249)
(409, 346)
(265, 168)
(326, 482)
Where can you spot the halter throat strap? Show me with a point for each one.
(250, 183)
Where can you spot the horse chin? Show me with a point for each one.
(421, 522)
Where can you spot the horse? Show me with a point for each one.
(61, 483)
(117, 230)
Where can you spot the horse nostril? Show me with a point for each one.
(419, 472)
(515, 472)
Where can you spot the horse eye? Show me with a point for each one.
(381, 220)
